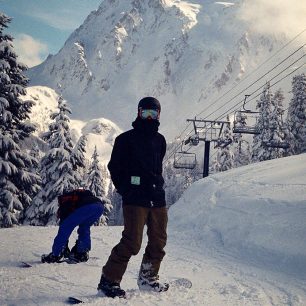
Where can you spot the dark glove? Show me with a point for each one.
(50, 258)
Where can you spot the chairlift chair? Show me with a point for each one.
(184, 160)
(241, 119)
(277, 143)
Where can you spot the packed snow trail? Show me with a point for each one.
(239, 236)
(218, 279)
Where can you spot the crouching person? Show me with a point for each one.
(76, 208)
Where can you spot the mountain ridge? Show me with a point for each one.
(185, 53)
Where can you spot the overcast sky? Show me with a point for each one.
(40, 27)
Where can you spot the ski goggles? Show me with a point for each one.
(149, 114)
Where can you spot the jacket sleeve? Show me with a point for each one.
(116, 164)
(164, 147)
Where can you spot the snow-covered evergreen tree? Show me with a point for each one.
(277, 137)
(176, 181)
(260, 151)
(241, 152)
(78, 159)
(116, 215)
(95, 180)
(18, 182)
(96, 183)
(225, 157)
(197, 173)
(35, 153)
(170, 183)
(58, 171)
(296, 120)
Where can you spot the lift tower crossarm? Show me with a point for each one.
(209, 128)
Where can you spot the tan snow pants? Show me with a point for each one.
(135, 218)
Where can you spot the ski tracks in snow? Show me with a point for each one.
(221, 279)
(218, 278)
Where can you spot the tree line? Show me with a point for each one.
(277, 137)
(29, 183)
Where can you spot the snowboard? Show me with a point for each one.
(176, 283)
(26, 264)
(72, 300)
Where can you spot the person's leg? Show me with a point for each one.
(84, 242)
(134, 220)
(64, 231)
(67, 226)
(157, 239)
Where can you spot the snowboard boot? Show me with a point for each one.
(78, 256)
(151, 284)
(50, 258)
(149, 280)
(110, 289)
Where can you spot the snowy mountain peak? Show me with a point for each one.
(183, 52)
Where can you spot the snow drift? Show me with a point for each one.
(256, 212)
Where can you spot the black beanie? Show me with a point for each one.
(149, 103)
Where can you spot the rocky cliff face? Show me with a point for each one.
(185, 53)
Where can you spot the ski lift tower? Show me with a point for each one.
(207, 131)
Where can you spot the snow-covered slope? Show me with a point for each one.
(239, 236)
(256, 212)
(100, 132)
(186, 53)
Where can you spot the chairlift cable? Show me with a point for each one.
(256, 70)
(242, 101)
(271, 85)
(287, 75)
(169, 155)
(257, 80)
(274, 54)
(231, 108)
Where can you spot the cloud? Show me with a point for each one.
(30, 51)
(275, 17)
(66, 17)
(63, 19)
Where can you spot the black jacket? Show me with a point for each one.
(68, 202)
(136, 165)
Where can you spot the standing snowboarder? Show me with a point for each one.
(76, 208)
(136, 171)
